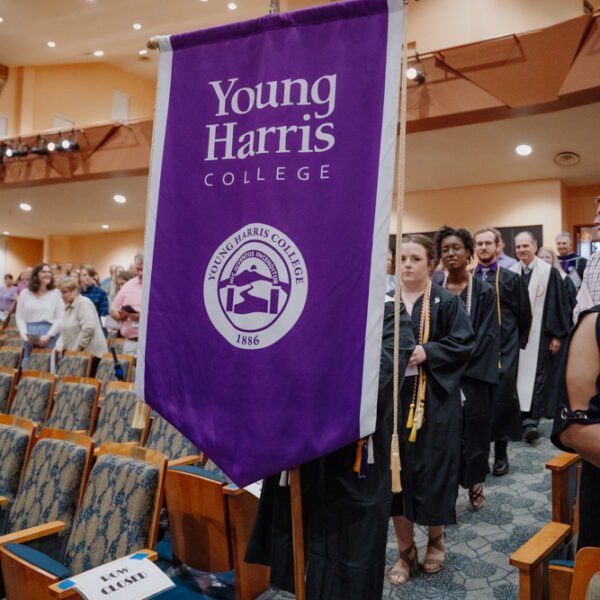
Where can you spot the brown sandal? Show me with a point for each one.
(434, 565)
(398, 570)
(476, 496)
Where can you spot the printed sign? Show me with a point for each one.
(130, 578)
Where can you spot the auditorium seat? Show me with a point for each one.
(118, 515)
(118, 343)
(14, 340)
(33, 399)
(210, 524)
(8, 380)
(11, 356)
(16, 440)
(40, 359)
(165, 438)
(75, 405)
(555, 540)
(106, 369)
(52, 484)
(74, 364)
(117, 413)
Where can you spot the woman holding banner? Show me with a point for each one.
(345, 491)
(455, 247)
(430, 411)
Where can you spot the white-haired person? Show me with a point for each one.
(80, 329)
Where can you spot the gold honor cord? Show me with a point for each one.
(498, 307)
(416, 413)
(395, 465)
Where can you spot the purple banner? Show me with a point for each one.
(266, 240)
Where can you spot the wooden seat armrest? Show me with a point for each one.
(536, 549)
(562, 462)
(185, 460)
(56, 590)
(32, 533)
(3, 500)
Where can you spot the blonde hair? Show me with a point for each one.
(69, 284)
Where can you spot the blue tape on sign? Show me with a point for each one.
(139, 556)
(66, 584)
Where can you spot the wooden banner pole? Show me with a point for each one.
(297, 533)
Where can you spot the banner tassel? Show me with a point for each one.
(395, 465)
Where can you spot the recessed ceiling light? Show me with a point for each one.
(232, 6)
(52, 44)
(119, 198)
(203, 0)
(143, 52)
(137, 26)
(6, 233)
(524, 149)
(51, 146)
(99, 53)
(1, 20)
(24, 206)
(411, 73)
(105, 226)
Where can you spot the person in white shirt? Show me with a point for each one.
(39, 311)
(80, 328)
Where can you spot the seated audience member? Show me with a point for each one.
(8, 295)
(80, 328)
(127, 305)
(88, 278)
(120, 277)
(577, 420)
(571, 264)
(23, 280)
(106, 283)
(39, 311)
(68, 269)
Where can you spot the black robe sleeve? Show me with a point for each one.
(447, 356)
(523, 311)
(556, 308)
(483, 364)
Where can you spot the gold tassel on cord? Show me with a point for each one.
(395, 465)
(413, 434)
(411, 414)
(358, 459)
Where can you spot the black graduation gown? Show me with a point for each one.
(430, 465)
(345, 517)
(515, 312)
(571, 292)
(589, 481)
(477, 382)
(555, 324)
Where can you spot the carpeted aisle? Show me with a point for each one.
(477, 568)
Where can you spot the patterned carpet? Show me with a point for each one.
(477, 549)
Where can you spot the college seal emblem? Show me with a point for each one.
(255, 286)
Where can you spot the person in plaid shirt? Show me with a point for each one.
(87, 279)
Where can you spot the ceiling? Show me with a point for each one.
(439, 158)
(80, 27)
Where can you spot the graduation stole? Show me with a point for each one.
(498, 307)
(416, 414)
